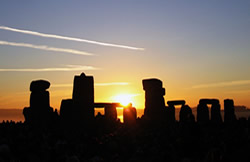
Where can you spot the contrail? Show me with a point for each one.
(68, 38)
(223, 84)
(46, 48)
(68, 68)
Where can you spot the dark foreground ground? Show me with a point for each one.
(113, 141)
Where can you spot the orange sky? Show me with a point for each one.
(107, 93)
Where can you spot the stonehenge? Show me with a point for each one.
(80, 109)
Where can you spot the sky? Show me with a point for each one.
(199, 49)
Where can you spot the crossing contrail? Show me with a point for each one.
(46, 48)
(68, 38)
(68, 68)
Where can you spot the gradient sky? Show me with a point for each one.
(197, 48)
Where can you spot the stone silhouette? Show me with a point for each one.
(203, 112)
(129, 115)
(215, 111)
(186, 115)
(110, 112)
(67, 113)
(154, 101)
(39, 97)
(83, 97)
(229, 115)
(171, 109)
(80, 109)
(39, 113)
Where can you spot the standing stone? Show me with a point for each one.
(154, 101)
(170, 113)
(171, 109)
(202, 112)
(39, 99)
(229, 115)
(129, 115)
(83, 97)
(39, 113)
(66, 113)
(215, 111)
(186, 114)
(110, 112)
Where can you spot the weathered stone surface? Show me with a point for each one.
(39, 85)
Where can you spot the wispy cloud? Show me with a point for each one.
(46, 48)
(96, 84)
(222, 84)
(68, 38)
(68, 68)
(239, 92)
(112, 83)
(61, 85)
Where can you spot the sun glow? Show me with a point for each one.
(123, 99)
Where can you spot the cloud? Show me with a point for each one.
(61, 85)
(68, 68)
(239, 92)
(111, 84)
(96, 84)
(46, 48)
(68, 38)
(222, 84)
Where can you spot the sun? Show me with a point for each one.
(123, 99)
